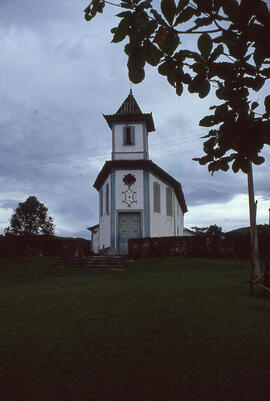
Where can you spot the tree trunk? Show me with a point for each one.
(255, 263)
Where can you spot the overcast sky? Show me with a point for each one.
(58, 75)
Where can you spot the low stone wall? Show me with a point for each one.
(39, 245)
(195, 247)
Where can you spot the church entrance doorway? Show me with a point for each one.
(129, 227)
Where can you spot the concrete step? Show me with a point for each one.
(108, 261)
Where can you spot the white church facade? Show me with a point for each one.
(136, 197)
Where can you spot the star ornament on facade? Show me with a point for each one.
(128, 197)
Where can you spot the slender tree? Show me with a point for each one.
(31, 217)
(233, 59)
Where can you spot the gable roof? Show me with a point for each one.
(129, 111)
(187, 230)
(147, 165)
(92, 228)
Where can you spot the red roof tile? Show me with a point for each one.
(129, 106)
(129, 111)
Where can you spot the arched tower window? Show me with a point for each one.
(129, 136)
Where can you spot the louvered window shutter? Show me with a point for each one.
(156, 192)
(132, 136)
(107, 198)
(124, 136)
(101, 202)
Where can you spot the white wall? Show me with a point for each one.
(179, 218)
(105, 220)
(137, 187)
(162, 225)
(95, 240)
(125, 149)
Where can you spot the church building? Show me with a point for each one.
(136, 197)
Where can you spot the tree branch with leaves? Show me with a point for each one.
(232, 58)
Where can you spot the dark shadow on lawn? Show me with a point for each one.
(261, 309)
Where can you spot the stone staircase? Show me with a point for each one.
(101, 261)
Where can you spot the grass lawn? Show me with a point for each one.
(164, 330)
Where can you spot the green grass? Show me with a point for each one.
(164, 330)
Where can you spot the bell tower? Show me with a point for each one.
(130, 128)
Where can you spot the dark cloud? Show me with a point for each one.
(205, 195)
(59, 74)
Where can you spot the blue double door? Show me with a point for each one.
(129, 227)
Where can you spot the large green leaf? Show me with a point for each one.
(205, 45)
(258, 83)
(124, 14)
(179, 88)
(203, 21)
(207, 121)
(135, 70)
(136, 59)
(221, 110)
(184, 16)
(171, 43)
(244, 165)
(163, 68)
(158, 17)
(168, 9)
(196, 84)
(254, 105)
(216, 53)
(181, 4)
(236, 166)
(136, 76)
(152, 53)
(221, 93)
(204, 89)
(257, 159)
(209, 145)
(259, 56)
(231, 9)
(96, 6)
(121, 31)
(203, 160)
(266, 72)
(151, 27)
(267, 104)
(171, 75)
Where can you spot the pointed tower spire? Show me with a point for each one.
(129, 106)
(130, 111)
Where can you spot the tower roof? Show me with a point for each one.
(129, 111)
(129, 106)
